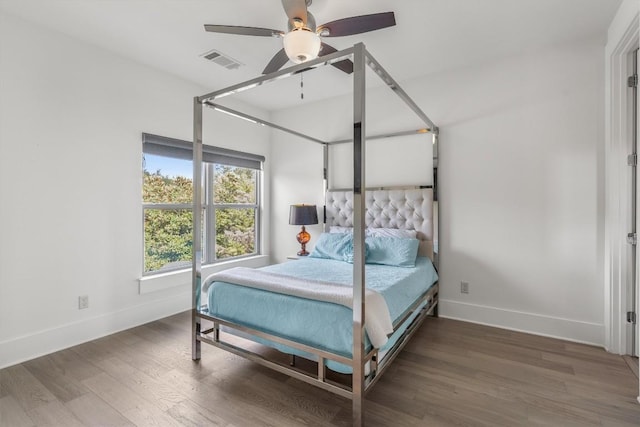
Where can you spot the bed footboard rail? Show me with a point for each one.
(427, 305)
(430, 308)
(212, 336)
(321, 381)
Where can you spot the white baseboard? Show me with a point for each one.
(28, 347)
(537, 324)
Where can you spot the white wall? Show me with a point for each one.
(522, 191)
(71, 118)
(521, 185)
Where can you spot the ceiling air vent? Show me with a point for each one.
(221, 59)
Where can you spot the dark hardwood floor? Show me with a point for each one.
(450, 374)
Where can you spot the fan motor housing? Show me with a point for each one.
(299, 23)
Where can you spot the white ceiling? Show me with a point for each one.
(430, 35)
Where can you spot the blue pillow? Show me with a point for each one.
(348, 256)
(331, 246)
(392, 251)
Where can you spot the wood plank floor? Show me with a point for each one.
(450, 374)
(633, 364)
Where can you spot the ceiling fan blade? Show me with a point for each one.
(357, 24)
(295, 9)
(278, 60)
(243, 31)
(345, 65)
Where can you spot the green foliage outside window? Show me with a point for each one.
(234, 185)
(168, 232)
(158, 188)
(235, 227)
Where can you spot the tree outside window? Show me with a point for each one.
(230, 212)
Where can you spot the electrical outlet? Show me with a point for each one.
(464, 287)
(83, 302)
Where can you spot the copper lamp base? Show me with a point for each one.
(303, 238)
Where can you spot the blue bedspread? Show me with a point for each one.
(319, 324)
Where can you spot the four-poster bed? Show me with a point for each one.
(359, 208)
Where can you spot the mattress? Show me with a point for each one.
(319, 324)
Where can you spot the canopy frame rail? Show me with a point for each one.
(259, 121)
(362, 60)
(281, 74)
(384, 135)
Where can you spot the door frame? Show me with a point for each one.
(623, 39)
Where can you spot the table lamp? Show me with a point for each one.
(303, 215)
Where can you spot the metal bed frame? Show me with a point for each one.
(427, 304)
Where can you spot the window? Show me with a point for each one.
(231, 207)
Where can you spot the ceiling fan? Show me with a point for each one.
(302, 40)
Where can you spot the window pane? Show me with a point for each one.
(234, 184)
(167, 180)
(167, 239)
(235, 232)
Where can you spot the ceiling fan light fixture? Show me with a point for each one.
(301, 45)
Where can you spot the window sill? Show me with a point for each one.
(182, 278)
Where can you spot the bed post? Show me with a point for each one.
(359, 208)
(436, 186)
(196, 275)
(325, 179)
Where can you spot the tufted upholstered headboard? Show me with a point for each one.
(410, 209)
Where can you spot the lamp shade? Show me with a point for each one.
(301, 45)
(303, 215)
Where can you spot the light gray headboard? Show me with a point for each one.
(410, 209)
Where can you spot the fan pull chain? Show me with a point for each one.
(301, 87)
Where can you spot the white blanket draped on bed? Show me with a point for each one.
(378, 322)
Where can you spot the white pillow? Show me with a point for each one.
(338, 229)
(378, 232)
(392, 232)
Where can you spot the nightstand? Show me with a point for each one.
(294, 257)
